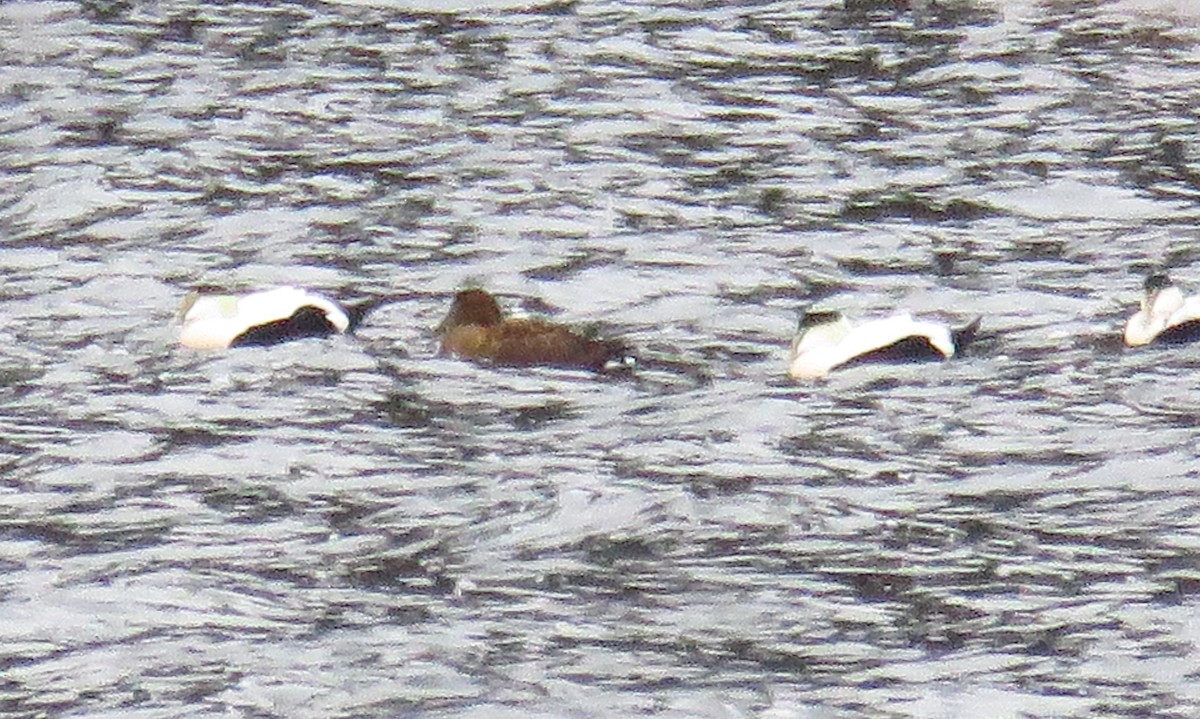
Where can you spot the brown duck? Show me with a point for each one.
(476, 330)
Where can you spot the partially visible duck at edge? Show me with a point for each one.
(1165, 317)
(827, 340)
(263, 318)
(476, 330)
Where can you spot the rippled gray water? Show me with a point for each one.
(354, 528)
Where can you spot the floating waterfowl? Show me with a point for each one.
(476, 330)
(828, 340)
(262, 318)
(1165, 317)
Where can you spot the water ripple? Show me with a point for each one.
(356, 527)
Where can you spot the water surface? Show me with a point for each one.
(355, 527)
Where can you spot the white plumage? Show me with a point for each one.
(1165, 315)
(270, 316)
(828, 340)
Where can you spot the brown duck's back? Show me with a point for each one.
(475, 329)
(518, 342)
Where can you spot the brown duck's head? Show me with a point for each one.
(471, 307)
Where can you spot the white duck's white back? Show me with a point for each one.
(815, 359)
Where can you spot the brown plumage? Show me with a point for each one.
(476, 330)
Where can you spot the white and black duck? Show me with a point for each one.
(827, 340)
(1165, 317)
(214, 321)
